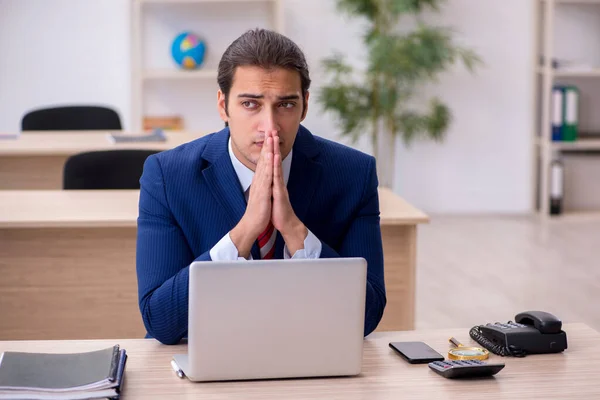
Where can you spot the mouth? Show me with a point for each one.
(262, 142)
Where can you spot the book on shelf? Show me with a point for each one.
(47, 376)
(167, 123)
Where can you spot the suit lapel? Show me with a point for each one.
(305, 173)
(222, 179)
(255, 251)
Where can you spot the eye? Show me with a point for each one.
(250, 105)
(287, 104)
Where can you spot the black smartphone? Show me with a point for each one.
(416, 352)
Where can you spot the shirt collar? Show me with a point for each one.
(245, 174)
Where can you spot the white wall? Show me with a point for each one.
(77, 51)
(61, 52)
(485, 163)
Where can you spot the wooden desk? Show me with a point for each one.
(67, 262)
(568, 375)
(35, 160)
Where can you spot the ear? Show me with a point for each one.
(305, 106)
(222, 106)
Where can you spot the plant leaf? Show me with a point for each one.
(366, 8)
(398, 63)
(351, 106)
(398, 7)
(433, 124)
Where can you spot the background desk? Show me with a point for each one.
(35, 160)
(67, 262)
(569, 375)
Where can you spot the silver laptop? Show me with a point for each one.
(267, 319)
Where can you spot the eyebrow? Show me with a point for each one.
(260, 96)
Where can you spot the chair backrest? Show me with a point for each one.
(71, 118)
(110, 169)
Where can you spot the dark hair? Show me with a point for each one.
(266, 49)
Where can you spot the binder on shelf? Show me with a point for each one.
(571, 114)
(91, 375)
(556, 184)
(558, 106)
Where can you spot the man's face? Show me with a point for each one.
(262, 100)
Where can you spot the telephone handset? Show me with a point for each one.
(533, 332)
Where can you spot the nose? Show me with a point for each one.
(268, 122)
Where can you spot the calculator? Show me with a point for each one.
(465, 368)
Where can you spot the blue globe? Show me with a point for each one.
(188, 50)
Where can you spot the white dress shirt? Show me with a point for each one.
(225, 250)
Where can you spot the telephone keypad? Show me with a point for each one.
(509, 325)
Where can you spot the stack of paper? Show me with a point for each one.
(93, 375)
(157, 135)
(10, 135)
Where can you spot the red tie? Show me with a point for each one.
(266, 242)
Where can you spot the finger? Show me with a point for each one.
(263, 153)
(259, 164)
(269, 146)
(277, 175)
(276, 148)
(267, 179)
(269, 157)
(264, 150)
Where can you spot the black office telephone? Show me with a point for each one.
(533, 332)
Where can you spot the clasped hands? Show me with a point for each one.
(269, 201)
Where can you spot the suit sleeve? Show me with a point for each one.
(162, 261)
(363, 239)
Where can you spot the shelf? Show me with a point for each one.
(176, 74)
(593, 73)
(581, 145)
(576, 216)
(566, 31)
(155, 80)
(578, 145)
(574, 1)
(201, 1)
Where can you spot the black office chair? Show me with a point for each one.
(110, 169)
(72, 118)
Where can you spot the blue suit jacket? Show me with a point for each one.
(190, 198)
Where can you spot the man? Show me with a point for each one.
(263, 187)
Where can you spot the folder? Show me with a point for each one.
(571, 114)
(91, 375)
(558, 107)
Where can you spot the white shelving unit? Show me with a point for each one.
(571, 74)
(155, 24)
(548, 14)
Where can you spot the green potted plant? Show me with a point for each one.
(377, 101)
